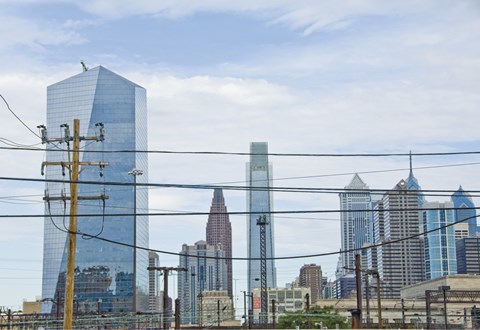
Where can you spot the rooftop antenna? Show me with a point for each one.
(411, 169)
(85, 68)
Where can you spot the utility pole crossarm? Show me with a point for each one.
(73, 167)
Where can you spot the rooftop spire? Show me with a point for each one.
(411, 168)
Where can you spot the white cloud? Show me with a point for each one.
(37, 35)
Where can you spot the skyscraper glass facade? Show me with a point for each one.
(259, 203)
(355, 220)
(464, 210)
(106, 277)
(440, 253)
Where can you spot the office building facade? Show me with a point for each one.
(311, 277)
(154, 303)
(259, 204)
(206, 270)
(355, 219)
(464, 210)
(109, 278)
(468, 255)
(439, 245)
(219, 231)
(400, 263)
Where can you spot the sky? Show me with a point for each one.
(311, 77)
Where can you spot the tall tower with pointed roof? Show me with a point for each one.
(219, 231)
(354, 219)
(412, 184)
(464, 209)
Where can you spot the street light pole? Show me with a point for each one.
(135, 172)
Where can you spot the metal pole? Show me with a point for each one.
(72, 229)
(379, 302)
(245, 308)
(367, 297)
(403, 312)
(177, 313)
(218, 313)
(358, 278)
(445, 306)
(58, 305)
(427, 308)
(262, 222)
(274, 313)
(134, 172)
(166, 324)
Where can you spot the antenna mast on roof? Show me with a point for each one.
(85, 68)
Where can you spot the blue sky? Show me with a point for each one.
(305, 76)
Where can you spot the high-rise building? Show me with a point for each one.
(259, 204)
(355, 220)
(399, 263)
(219, 231)
(206, 271)
(465, 210)
(154, 304)
(412, 184)
(439, 245)
(311, 277)
(108, 277)
(468, 255)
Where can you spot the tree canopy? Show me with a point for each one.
(315, 318)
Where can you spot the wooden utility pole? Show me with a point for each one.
(72, 229)
(74, 170)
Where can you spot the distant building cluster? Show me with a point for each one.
(404, 237)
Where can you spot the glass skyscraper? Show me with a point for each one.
(464, 209)
(259, 203)
(440, 255)
(355, 220)
(109, 278)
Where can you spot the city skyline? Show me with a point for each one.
(318, 77)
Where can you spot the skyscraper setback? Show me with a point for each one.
(219, 231)
(259, 204)
(108, 278)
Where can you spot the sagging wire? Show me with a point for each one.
(84, 235)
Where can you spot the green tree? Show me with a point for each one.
(316, 318)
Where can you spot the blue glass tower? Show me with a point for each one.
(259, 203)
(109, 278)
(464, 209)
(440, 252)
(412, 184)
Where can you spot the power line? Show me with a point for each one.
(229, 153)
(285, 257)
(18, 118)
(154, 214)
(242, 188)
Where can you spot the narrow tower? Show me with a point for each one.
(259, 204)
(219, 231)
